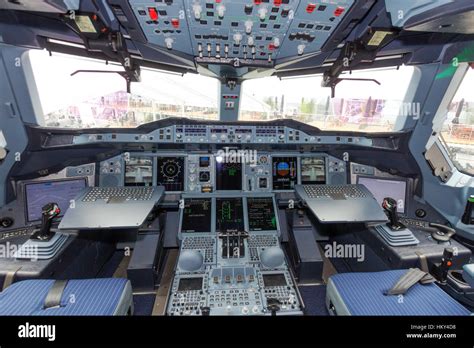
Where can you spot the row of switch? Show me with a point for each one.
(239, 279)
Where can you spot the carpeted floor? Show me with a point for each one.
(314, 297)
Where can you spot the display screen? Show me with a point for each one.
(190, 284)
(62, 192)
(228, 175)
(382, 187)
(204, 161)
(274, 280)
(229, 214)
(171, 173)
(285, 173)
(313, 170)
(196, 215)
(261, 214)
(139, 171)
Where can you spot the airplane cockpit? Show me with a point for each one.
(236, 158)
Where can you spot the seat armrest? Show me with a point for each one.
(468, 274)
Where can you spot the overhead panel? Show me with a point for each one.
(240, 32)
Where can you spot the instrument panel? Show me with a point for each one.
(231, 260)
(240, 32)
(223, 170)
(223, 134)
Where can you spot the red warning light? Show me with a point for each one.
(339, 11)
(277, 2)
(257, 2)
(311, 7)
(153, 13)
(175, 23)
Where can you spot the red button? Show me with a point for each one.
(175, 22)
(257, 2)
(310, 8)
(271, 47)
(277, 2)
(153, 13)
(339, 11)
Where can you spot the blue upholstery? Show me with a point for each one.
(468, 274)
(363, 294)
(80, 297)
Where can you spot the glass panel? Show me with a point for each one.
(458, 129)
(88, 100)
(358, 106)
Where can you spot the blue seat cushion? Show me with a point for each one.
(363, 294)
(80, 297)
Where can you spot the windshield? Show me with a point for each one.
(88, 100)
(91, 99)
(362, 106)
(458, 129)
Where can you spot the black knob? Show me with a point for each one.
(6, 222)
(273, 305)
(206, 311)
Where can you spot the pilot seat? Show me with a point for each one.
(78, 297)
(365, 294)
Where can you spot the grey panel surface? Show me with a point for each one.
(91, 215)
(328, 210)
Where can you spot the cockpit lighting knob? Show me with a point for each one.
(248, 26)
(262, 13)
(276, 42)
(197, 9)
(301, 49)
(221, 11)
(169, 43)
(237, 38)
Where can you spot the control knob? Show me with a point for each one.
(237, 38)
(248, 26)
(197, 9)
(169, 43)
(221, 11)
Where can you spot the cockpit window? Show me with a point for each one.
(458, 129)
(358, 105)
(99, 100)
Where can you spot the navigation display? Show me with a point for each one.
(261, 214)
(171, 173)
(274, 280)
(62, 192)
(196, 215)
(285, 173)
(229, 215)
(384, 187)
(190, 284)
(228, 175)
(313, 170)
(139, 171)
